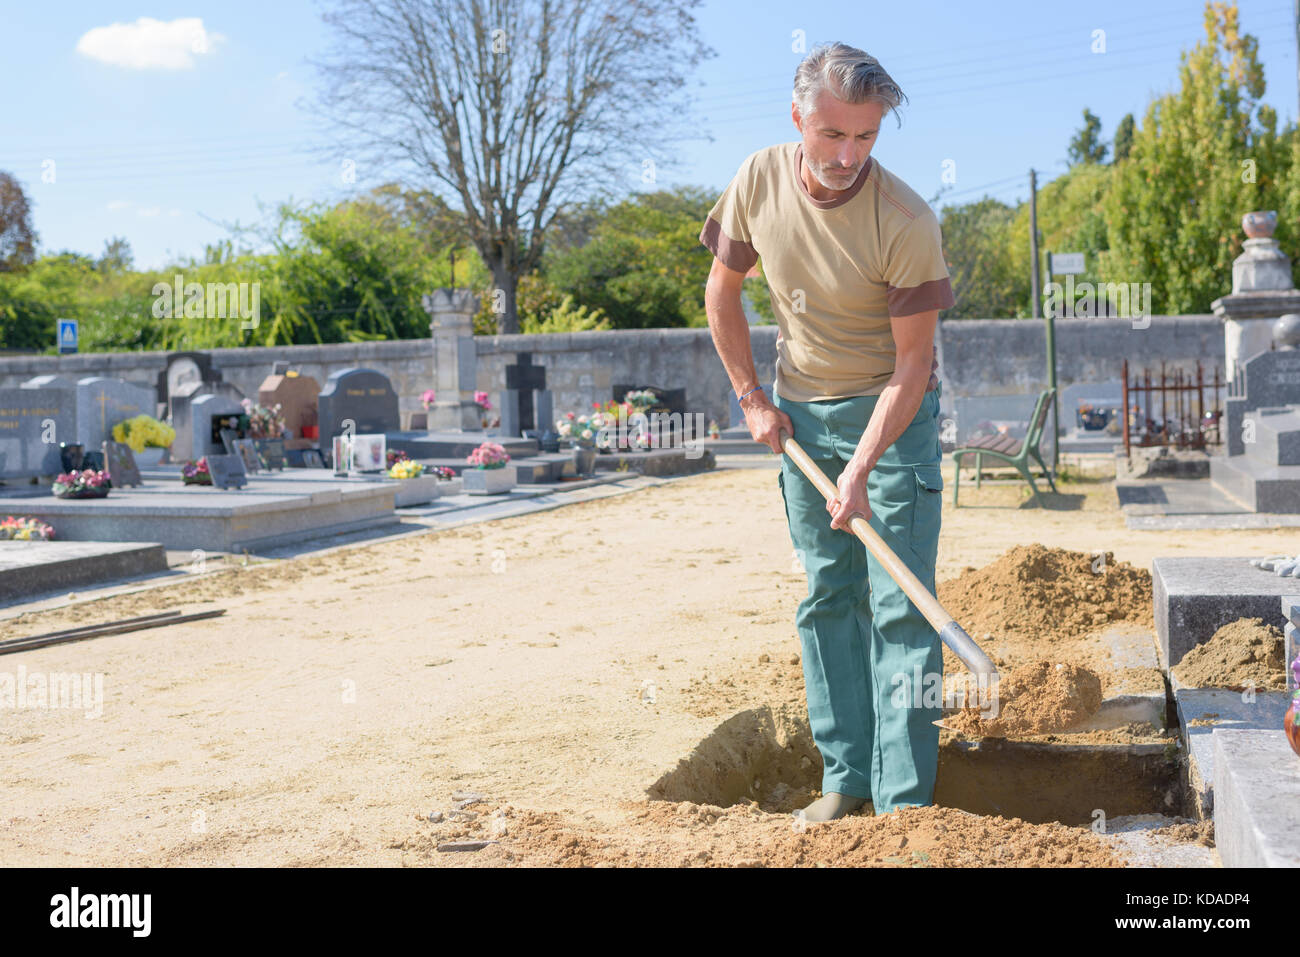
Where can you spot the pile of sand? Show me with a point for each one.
(1040, 697)
(668, 834)
(1243, 653)
(1048, 594)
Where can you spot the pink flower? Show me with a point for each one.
(428, 397)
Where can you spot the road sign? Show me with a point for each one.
(1065, 264)
(67, 335)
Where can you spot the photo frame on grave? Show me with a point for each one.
(228, 439)
(342, 454)
(369, 452)
(247, 450)
(311, 459)
(120, 464)
(227, 471)
(271, 454)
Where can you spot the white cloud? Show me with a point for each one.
(118, 204)
(149, 44)
(149, 211)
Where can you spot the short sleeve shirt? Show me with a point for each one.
(837, 269)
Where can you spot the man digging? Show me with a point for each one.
(854, 261)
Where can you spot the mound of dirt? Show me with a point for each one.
(684, 834)
(1040, 697)
(1245, 652)
(1049, 594)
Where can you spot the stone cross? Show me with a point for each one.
(523, 379)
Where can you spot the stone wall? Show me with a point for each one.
(978, 357)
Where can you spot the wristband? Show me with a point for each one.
(750, 392)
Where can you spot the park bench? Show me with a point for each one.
(1014, 452)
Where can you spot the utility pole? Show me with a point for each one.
(1296, 11)
(1050, 327)
(1033, 241)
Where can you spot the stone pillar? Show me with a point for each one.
(451, 324)
(1262, 290)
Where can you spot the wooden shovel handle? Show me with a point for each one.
(952, 633)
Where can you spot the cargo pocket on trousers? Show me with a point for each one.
(928, 512)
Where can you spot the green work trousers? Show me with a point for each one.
(872, 664)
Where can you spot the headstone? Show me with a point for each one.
(182, 412)
(227, 471)
(295, 394)
(1262, 290)
(272, 453)
(522, 379)
(363, 397)
(119, 463)
(184, 369)
(102, 403)
(198, 432)
(247, 451)
(1262, 429)
(1268, 380)
(32, 424)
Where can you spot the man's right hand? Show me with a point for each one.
(765, 420)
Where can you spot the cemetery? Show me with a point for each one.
(303, 460)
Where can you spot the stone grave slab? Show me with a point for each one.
(28, 569)
(269, 510)
(1257, 799)
(1194, 597)
(1203, 710)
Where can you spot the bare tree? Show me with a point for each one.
(513, 108)
(17, 238)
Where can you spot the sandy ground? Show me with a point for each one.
(556, 664)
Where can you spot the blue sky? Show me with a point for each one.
(165, 156)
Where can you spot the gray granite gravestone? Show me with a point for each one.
(522, 380)
(363, 397)
(1262, 429)
(119, 463)
(102, 403)
(32, 424)
(227, 471)
(201, 413)
(182, 374)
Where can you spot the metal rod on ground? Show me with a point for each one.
(41, 641)
(79, 628)
(951, 633)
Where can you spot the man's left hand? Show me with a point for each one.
(850, 498)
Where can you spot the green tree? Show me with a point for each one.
(1124, 137)
(1086, 145)
(1204, 155)
(988, 278)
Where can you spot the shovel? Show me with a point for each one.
(951, 633)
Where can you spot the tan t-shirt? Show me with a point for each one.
(837, 269)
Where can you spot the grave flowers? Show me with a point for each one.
(714, 430)
(144, 431)
(641, 400)
(263, 422)
(485, 416)
(1291, 720)
(406, 468)
(88, 483)
(443, 473)
(196, 473)
(427, 398)
(25, 529)
(489, 475)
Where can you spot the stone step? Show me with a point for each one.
(1276, 436)
(1259, 487)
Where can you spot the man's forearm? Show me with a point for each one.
(730, 331)
(894, 411)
